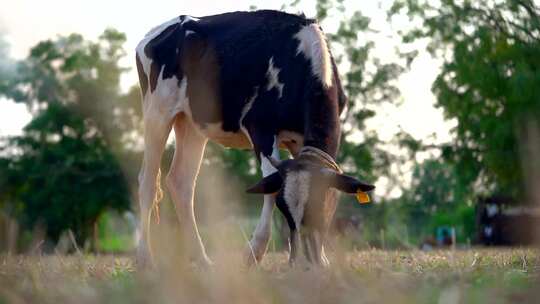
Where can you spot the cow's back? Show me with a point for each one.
(240, 67)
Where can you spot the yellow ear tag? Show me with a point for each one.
(362, 197)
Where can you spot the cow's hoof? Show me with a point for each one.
(206, 262)
(252, 256)
(201, 262)
(325, 263)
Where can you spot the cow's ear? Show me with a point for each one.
(347, 184)
(268, 185)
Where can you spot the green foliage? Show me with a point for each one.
(81, 74)
(115, 233)
(63, 172)
(436, 198)
(6, 65)
(64, 177)
(489, 83)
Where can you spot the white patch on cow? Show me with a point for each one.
(166, 101)
(183, 101)
(312, 44)
(166, 88)
(189, 32)
(273, 78)
(153, 33)
(245, 110)
(190, 18)
(296, 193)
(158, 29)
(266, 166)
(166, 98)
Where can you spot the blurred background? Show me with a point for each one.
(443, 116)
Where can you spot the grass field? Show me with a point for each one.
(371, 276)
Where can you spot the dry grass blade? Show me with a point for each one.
(244, 235)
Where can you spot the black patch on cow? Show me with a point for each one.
(284, 208)
(201, 67)
(244, 42)
(164, 51)
(143, 79)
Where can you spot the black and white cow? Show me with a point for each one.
(262, 80)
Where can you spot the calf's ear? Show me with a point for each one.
(347, 184)
(268, 185)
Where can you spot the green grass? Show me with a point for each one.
(371, 276)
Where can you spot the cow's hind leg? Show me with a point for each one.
(181, 181)
(156, 132)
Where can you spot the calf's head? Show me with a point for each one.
(306, 195)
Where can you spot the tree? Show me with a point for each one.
(6, 65)
(437, 198)
(85, 76)
(65, 170)
(62, 176)
(489, 83)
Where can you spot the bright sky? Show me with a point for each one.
(26, 22)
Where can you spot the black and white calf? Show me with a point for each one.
(262, 80)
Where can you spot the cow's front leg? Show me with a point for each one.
(259, 241)
(261, 237)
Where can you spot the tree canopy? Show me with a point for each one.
(63, 172)
(489, 83)
(62, 176)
